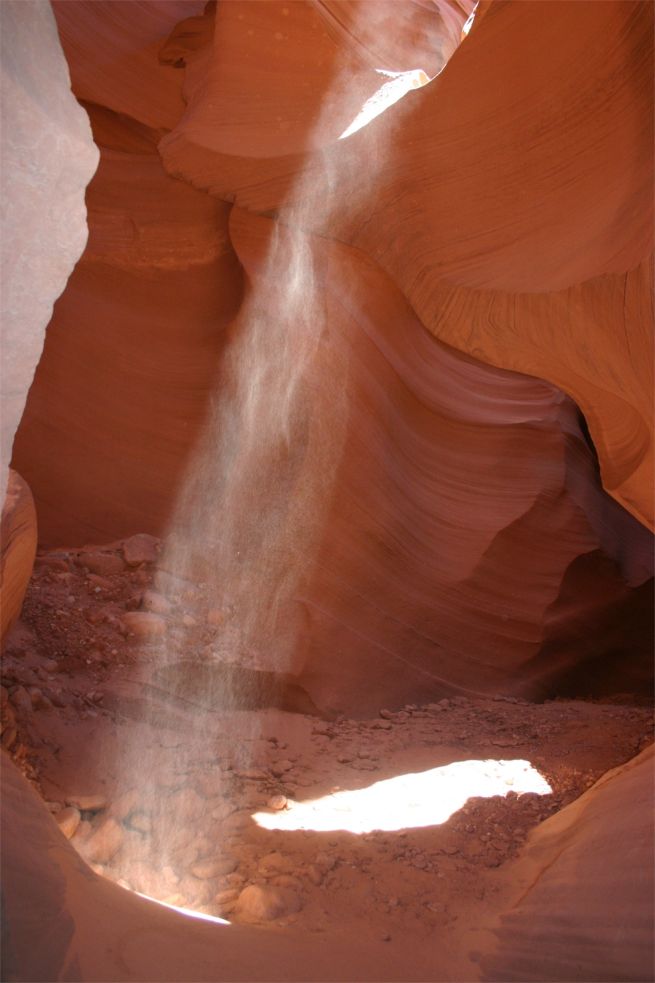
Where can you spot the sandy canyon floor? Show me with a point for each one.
(402, 828)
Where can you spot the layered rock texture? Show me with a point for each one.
(459, 536)
(18, 547)
(377, 370)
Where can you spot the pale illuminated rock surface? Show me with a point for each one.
(48, 158)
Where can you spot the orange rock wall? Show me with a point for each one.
(18, 547)
(496, 219)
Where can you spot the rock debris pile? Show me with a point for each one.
(228, 813)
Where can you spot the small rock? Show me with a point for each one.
(82, 833)
(141, 548)
(87, 803)
(222, 810)
(325, 861)
(265, 903)
(287, 880)
(382, 724)
(68, 820)
(20, 698)
(215, 617)
(186, 806)
(104, 564)
(227, 898)
(277, 802)
(9, 736)
(141, 822)
(94, 581)
(56, 563)
(252, 774)
(39, 700)
(234, 881)
(189, 621)
(144, 624)
(198, 891)
(207, 869)
(279, 768)
(315, 874)
(274, 863)
(94, 615)
(155, 603)
(387, 714)
(124, 804)
(8, 716)
(104, 842)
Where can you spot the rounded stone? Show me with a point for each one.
(265, 903)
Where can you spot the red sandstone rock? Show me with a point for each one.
(113, 53)
(158, 282)
(18, 536)
(506, 176)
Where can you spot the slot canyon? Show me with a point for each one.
(327, 543)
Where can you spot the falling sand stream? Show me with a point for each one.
(249, 519)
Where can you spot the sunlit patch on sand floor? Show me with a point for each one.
(427, 798)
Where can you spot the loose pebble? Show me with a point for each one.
(207, 869)
(144, 624)
(87, 803)
(277, 802)
(265, 903)
(141, 548)
(104, 564)
(104, 842)
(68, 820)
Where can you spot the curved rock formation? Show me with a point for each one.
(522, 174)
(112, 50)
(102, 932)
(132, 351)
(585, 885)
(464, 534)
(18, 547)
(464, 498)
(48, 158)
(471, 325)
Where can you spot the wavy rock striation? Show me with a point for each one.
(512, 203)
(18, 548)
(461, 539)
(466, 529)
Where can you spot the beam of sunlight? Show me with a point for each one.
(389, 93)
(428, 798)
